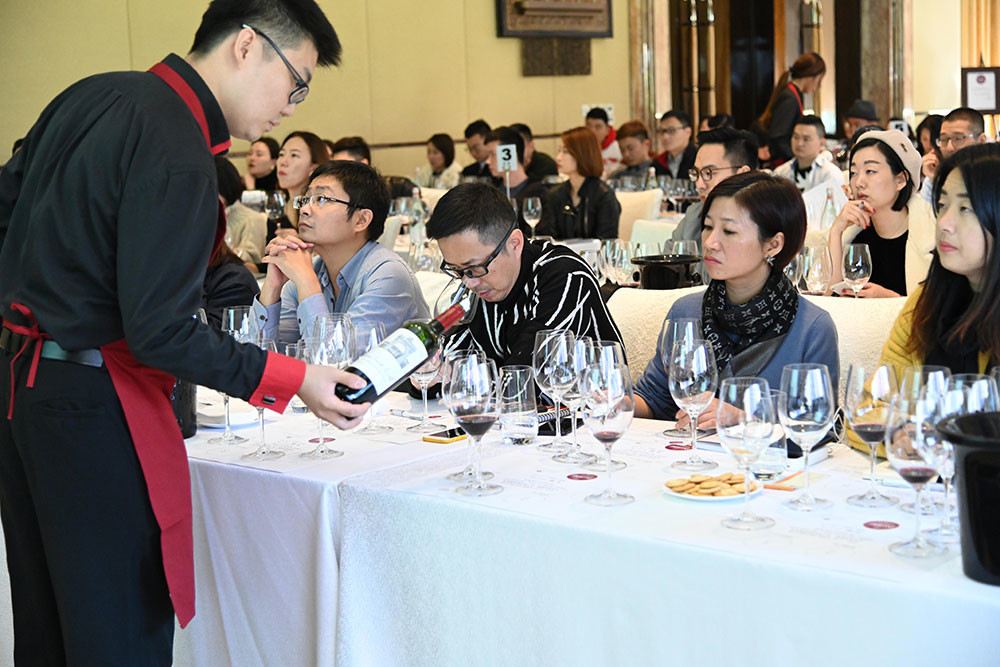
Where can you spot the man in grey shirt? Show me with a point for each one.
(341, 213)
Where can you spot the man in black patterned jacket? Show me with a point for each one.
(524, 286)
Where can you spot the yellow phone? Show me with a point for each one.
(451, 435)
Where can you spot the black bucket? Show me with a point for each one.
(976, 439)
(667, 271)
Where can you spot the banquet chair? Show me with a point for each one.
(652, 231)
(635, 206)
(431, 196)
(391, 231)
(432, 283)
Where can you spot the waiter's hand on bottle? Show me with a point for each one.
(317, 393)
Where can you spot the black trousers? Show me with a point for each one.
(83, 546)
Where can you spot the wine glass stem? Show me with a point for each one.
(229, 431)
(423, 393)
(947, 522)
(477, 466)
(873, 486)
(694, 457)
(576, 444)
(260, 420)
(607, 448)
(558, 422)
(321, 431)
(805, 467)
(746, 490)
(917, 510)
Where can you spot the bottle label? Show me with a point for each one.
(395, 358)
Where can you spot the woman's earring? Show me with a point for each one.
(769, 259)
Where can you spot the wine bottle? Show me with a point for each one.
(401, 353)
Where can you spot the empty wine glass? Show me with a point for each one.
(910, 432)
(297, 350)
(531, 209)
(817, 267)
(806, 410)
(793, 271)
(683, 248)
(335, 349)
(584, 355)
(424, 375)
(474, 403)
(676, 329)
(610, 402)
(693, 378)
(857, 266)
(236, 322)
(367, 336)
(555, 374)
(264, 452)
(870, 390)
(745, 419)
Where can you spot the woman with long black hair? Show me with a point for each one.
(775, 124)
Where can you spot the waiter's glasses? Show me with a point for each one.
(301, 89)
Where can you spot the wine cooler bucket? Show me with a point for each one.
(976, 439)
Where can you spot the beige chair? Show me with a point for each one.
(431, 196)
(432, 283)
(639, 315)
(390, 232)
(653, 231)
(635, 206)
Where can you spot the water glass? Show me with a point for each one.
(518, 405)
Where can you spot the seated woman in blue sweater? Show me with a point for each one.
(753, 225)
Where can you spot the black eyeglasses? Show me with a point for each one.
(478, 270)
(705, 172)
(301, 89)
(320, 201)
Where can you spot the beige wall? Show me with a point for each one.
(937, 57)
(411, 68)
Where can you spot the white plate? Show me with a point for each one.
(708, 499)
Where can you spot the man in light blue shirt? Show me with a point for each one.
(341, 213)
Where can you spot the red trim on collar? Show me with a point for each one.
(181, 87)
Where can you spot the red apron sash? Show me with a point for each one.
(798, 98)
(144, 393)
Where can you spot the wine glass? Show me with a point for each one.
(453, 358)
(676, 329)
(693, 378)
(531, 209)
(297, 350)
(930, 382)
(584, 355)
(967, 393)
(518, 406)
(910, 432)
(474, 403)
(335, 349)
(237, 322)
(773, 460)
(367, 336)
(817, 267)
(274, 204)
(857, 266)
(681, 248)
(424, 375)
(607, 393)
(806, 411)
(339, 327)
(793, 271)
(866, 403)
(555, 374)
(263, 452)
(745, 420)
(607, 354)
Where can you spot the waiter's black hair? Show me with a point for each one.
(287, 22)
(472, 206)
(365, 188)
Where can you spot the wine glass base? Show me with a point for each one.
(611, 499)
(321, 441)
(232, 440)
(424, 427)
(872, 498)
(929, 509)
(807, 504)
(688, 465)
(374, 429)
(917, 549)
(943, 535)
(266, 455)
(468, 475)
(573, 456)
(554, 447)
(601, 465)
(748, 521)
(322, 452)
(481, 489)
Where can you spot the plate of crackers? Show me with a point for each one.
(706, 488)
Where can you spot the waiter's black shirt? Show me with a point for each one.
(107, 217)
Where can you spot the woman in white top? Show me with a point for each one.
(887, 214)
(441, 170)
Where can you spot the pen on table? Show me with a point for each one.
(405, 414)
(778, 486)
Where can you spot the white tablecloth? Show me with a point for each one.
(535, 576)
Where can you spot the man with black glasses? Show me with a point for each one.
(524, 286)
(104, 240)
(960, 128)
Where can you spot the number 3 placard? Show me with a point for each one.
(506, 157)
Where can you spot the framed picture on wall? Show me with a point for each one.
(554, 18)
(981, 89)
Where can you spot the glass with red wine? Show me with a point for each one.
(869, 393)
(473, 400)
(910, 441)
(610, 404)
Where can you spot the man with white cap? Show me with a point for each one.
(885, 213)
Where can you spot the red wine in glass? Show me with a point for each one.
(872, 434)
(917, 476)
(476, 425)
